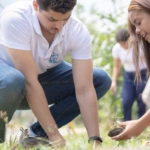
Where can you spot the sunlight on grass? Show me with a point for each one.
(79, 142)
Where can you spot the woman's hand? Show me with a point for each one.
(132, 129)
(113, 87)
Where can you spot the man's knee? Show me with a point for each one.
(15, 82)
(12, 92)
(13, 85)
(102, 81)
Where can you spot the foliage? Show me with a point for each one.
(79, 142)
(103, 28)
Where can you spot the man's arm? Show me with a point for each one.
(24, 62)
(86, 95)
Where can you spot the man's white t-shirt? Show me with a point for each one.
(125, 56)
(20, 29)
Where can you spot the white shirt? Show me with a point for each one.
(125, 56)
(146, 94)
(20, 29)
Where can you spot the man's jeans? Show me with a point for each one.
(59, 89)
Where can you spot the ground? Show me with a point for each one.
(75, 141)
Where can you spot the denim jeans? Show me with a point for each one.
(59, 89)
(131, 91)
(12, 92)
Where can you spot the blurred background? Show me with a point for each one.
(103, 19)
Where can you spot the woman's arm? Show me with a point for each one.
(116, 72)
(134, 128)
(146, 94)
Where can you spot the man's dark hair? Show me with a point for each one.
(61, 6)
(122, 35)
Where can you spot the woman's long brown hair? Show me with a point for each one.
(137, 40)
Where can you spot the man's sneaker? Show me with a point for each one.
(26, 141)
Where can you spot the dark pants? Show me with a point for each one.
(59, 89)
(131, 91)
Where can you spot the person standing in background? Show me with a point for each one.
(131, 89)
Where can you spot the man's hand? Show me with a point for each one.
(95, 144)
(57, 141)
(55, 138)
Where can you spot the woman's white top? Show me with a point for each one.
(126, 57)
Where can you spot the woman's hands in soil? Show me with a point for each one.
(132, 129)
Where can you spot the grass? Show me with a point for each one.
(79, 141)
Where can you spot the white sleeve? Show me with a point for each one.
(81, 43)
(115, 52)
(146, 94)
(15, 31)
